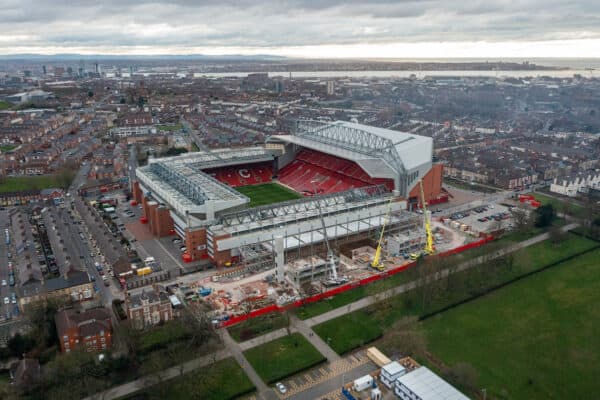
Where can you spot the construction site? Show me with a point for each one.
(355, 209)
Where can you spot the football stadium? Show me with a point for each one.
(339, 181)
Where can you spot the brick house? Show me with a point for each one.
(148, 307)
(91, 330)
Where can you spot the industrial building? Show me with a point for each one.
(353, 178)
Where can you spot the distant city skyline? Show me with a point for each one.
(304, 28)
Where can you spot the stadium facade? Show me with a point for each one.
(351, 174)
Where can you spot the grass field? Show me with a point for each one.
(24, 183)
(254, 327)
(161, 336)
(267, 193)
(323, 306)
(7, 147)
(283, 357)
(223, 381)
(534, 339)
(360, 327)
(170, 128)
(559, 204)
(5, 105)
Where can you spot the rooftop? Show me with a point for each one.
(428, 386)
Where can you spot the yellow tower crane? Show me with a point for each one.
(429, 249)
(376, 263)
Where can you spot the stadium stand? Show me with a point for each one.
(329, 174)
(243, 175)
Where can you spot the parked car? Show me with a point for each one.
(281, 387)
(6, 300)
(4, 282)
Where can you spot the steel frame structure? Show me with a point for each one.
(303, 205)
(352, 139)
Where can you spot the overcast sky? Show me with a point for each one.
(304, 28)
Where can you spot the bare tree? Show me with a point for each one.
(557, 235)
(405, 337)
(522, 219)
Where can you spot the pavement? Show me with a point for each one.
(173, 372)
(264, 392)
(306, 331)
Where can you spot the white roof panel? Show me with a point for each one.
(429, 386)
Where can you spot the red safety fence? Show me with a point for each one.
(344, 288)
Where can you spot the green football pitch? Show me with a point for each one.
(267, 193)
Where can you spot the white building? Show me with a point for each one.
(390, 373)
(422, 384)
(577, 184)
(126, 131)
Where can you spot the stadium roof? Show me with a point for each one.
(428, 386)
(187, 189)
(222, 157)
(180, 182)
(380, 152)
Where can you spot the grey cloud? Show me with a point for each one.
(275, 23)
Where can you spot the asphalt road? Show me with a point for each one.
(5, 290)
(96, 238)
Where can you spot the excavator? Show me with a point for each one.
(376, 263)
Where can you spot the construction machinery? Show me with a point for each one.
(429, 249)
(333, 279)
(376, 263)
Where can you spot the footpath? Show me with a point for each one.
(304, 327)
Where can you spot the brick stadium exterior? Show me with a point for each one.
(348, 172)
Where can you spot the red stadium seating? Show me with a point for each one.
(329, 173)
(242, 175)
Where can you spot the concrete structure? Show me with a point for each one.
(187, 195)
(307, 270)
(382, 153)
(90, 329)
(34, 95)
(422, 384)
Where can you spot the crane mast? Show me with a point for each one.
(429, 249)
(330, 255)
(376, 263)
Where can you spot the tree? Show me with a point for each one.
(521, 219)
(21, 344)
(66, 174)
(557, 235)
(40, 315)
(90, 93)
(405, 337)
(544, 216)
